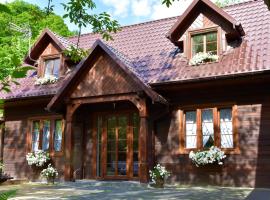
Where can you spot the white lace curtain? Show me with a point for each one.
(191, 130)
(226, 128)
(207, 128)
(46, 135)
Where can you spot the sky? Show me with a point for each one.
(126, 12)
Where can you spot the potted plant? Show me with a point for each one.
(158, 175)
(3, 177)
(50, 173)
(38, 158)
(211, 156)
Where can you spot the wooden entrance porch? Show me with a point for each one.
(114, 136)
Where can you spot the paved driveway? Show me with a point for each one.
(130, 190)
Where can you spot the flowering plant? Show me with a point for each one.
(49, 172)
(37, 158)
(46, 80)
(201, 58)
(1, 167)
(213, 155)
(158, 173)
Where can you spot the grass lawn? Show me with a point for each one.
(130, 190)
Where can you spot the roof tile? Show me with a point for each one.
(154, 59)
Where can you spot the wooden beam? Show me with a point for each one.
(143, 142)
(69, 142)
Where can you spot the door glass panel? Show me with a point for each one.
(122, 157)
(122, 145)
(135, 124)
(99, 145)
(111, 146)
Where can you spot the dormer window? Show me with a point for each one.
(204, 43)
(52, 67)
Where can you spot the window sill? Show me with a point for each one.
(235, 151)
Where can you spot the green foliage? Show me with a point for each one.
(8, 194)
(76, 54)
(4, 8)
(223, 3)
(1, 167)
(168, 3)
(78, 13)
(14, 45)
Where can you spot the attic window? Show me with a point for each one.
(52, 67)
(204, 43)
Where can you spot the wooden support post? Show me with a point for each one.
(143, 143)
(69, 143)
(143, 150)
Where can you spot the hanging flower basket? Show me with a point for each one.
(46, 80)
(212, 156)
(37, 159)
(201, 58)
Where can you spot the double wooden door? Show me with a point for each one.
(117, 146)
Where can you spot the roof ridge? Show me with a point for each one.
(164, 19)
(240, 3)
(131, 25)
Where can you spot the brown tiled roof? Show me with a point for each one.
(156, 60)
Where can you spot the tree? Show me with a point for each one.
(14, 45)
(78, 13)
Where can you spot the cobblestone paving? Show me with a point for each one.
(130, 190)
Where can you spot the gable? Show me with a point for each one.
(200, 25)
(211, 11)
(47, 42)
(104, 78)
(51, 49)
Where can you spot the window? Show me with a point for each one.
(207, 128)
(57, 140)
(191, 130)
(41, 134)
(46, 135)
(52, 67)
(204, 42)
(35, 135)
(226, 128)
(203, 128)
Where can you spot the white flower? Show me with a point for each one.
(158, 172)
(49, 172)
(46, 80)
(37, 158)
(213, 155)
(201, 57)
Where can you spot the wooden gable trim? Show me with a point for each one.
(75, 78)
(211, 11)
(44, 39)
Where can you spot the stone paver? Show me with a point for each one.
(130, 190)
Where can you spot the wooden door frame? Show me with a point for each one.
(129, 161)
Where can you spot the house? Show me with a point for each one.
(137, 100)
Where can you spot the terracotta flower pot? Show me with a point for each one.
(160, 183)
(50, 180)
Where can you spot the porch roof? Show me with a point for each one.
(116, 56)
